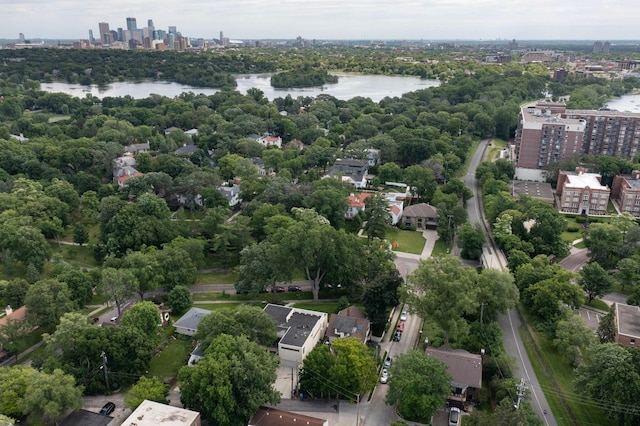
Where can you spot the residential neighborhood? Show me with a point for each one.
(463, 254)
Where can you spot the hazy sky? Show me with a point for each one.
(332, 19)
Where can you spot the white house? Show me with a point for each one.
(299, 331)
(270, 141)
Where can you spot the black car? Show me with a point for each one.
(397, 336)
(108, 408)
(294, 288)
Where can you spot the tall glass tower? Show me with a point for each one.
(131, 24)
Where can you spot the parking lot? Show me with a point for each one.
(591, 318)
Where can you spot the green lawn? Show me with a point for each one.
(440, 249)
(407, 241)
(328, 307)
(80, 256)
(556, 380)
(598, 304)
(217, 306)
(169, 361)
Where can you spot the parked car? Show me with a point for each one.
(387, 362)
(454, 416)
(400, 326)
(397, 336)
(114, 319)
(108, 408)
(280, 289)
(403, 316)
(294, 288)
(384, 376)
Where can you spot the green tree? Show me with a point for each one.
(421, 180)
(607, 330)
(505, 414)
(380, 294)
(146, 269)
(117, 284)
(46, 301)
(346, 370)
(80, 234)
(496, 292)
(572, 336)
(628, 271)
(610, 376)
(144, 316)
(378, 217)
(179, 299)
(471, 240)
(418, 384)
(444, 290)
(49, 396)
(150, 388)
(231, 382)
(604, 242)
(595, 281)
(14, 337)
(13, 388)
(248, 321)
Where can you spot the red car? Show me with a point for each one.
(400, 326)
(280, 289)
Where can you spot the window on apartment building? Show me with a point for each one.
(632, 341)
(585, 197)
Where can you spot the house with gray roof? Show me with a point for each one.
(135, 148)
(188, 323)
(465, 369)
(349, 322)
(421, 216)
(350, 170)
(231, 193)
(298, 330)
(186, 150)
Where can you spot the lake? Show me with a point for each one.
(629, 103)
(348, 86)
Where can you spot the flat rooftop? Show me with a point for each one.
(537, 190)
(582, 180)
(628, 320)
(151, 413)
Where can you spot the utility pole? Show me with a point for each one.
(521, 388)
(358, 409)
(104, 367)
(449, 229)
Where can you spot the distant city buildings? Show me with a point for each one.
(548, 132)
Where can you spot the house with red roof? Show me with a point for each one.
(356, 204)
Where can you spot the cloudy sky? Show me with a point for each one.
(332, 19)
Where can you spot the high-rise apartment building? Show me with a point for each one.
(131, 24)
(547, 133)
(105, 34)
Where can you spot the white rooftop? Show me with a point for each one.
(151, 413)
(582, 180)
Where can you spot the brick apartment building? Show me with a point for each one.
(547, 132)
(626, 189)
(582, 193)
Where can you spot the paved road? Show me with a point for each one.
(510, 322)
(575, 260)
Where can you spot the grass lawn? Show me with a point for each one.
(440, 249)
(598, 304)
(217, 277)
(218, 306)
(169, 361)
(408, 241)
(556, 379)
(611, 209)
(328, 307)
(80, 256)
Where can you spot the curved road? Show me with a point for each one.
(510, 322)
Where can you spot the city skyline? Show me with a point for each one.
(358, 19)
